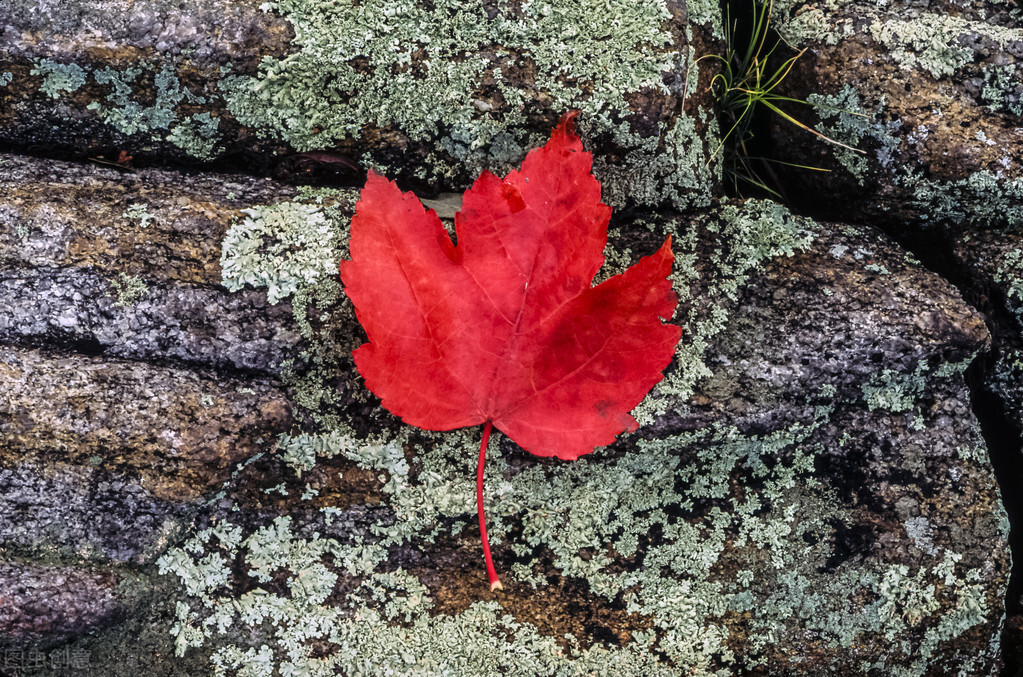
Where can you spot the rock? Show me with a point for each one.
(172, 431)
(197, 82)
(989, 264)
(124, 317)
(102, 515)
(992, 264)
(930, 93)
(165, 225)
(88, 77)
(51, 604)
(144, 284)
(809, 488)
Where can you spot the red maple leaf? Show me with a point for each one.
(504, 328)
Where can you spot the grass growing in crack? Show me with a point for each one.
(749, 80)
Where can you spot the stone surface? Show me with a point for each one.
(165, 225)
(809, 472)
(174, 432)
(50, 604)
(381, 84)
(102, 515)
(929, 91)
(127, 265)
(992, 263)
(809, 487)
(193, 477)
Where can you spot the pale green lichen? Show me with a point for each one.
(982, 199)
(937, 43)
(301, 451)
(755, 534)
(920, 531)
(58, 78)
(567, 510)
(1010, 275)
(844, 119)
(139, 212)
(6, 78)
(899, 392)
(403, 65)
(706, 13)
(816, 22)
(1003, 90)
(894, 391)
(569, 41)
(933, 41)
(126, 114)
(282, 247)
(197, 135)
(129, 290)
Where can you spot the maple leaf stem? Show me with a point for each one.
(495, 583)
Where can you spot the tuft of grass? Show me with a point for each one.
(748, 80)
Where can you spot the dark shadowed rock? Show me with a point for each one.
(101, 515)
(992, 264)
(50, 604)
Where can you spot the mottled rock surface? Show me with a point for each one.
(54, 603)
(133, 382)
(930, 91)
(165, 225)
(810, 487)
(127, 264)
(194, 478)
(991, 267)
(384, 84)
(103, 515)
(993, 264)
(170, 430)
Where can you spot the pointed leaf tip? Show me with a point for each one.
(564, 135)
(567, 122)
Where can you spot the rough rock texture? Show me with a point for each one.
(193, 477)
(172, 431)
(993, 262)
(133, 382)
(931, 91)
(389, 85)
(137, 277)
(991, 266)
(102, 514)
(53, 603)
(809, 488)
(146, 69)
(165, 225)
